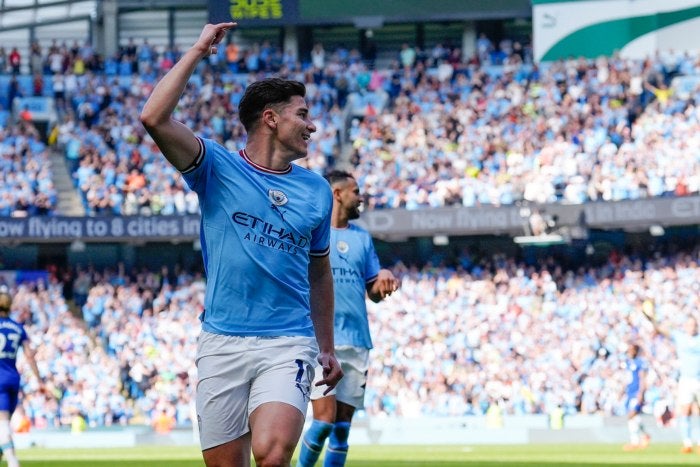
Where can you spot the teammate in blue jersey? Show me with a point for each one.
(637, 369)
(687, 343)
(356, 273)
(12, 337)
(265, 238)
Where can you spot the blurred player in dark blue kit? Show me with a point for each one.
(356, 273)
(12, 337)
(637, 370)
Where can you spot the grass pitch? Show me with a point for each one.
(386, 456)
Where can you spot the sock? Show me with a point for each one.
(634, 425)
(6, 445)
(337, 450)
(686, 430)
(312, 443)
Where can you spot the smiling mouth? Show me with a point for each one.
(306, 137)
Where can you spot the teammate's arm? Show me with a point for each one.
(175, 140)
(658, 328)
(322, 311)
(383, 286)
(30, 355)
(642, 385)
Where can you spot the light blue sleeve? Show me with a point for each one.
(372, 266)
(321, 235)
(197, 175)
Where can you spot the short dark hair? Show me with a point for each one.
(5, 302)
(262, 94)
(335, 176)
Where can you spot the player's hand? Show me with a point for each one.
(211, 36)
(43, 389)
(386, 283)
(649, 309)
(331, 371)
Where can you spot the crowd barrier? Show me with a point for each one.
(473, 430)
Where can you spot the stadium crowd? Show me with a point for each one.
(452, 341)
(127, 361)
(567, 132)
(117, 168)
(26, 186)
(432, 128)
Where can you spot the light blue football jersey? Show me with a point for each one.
(259, 230)
(355, 264)
(688, 352)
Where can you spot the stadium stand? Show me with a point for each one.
(534, 337)
(431, 129)
(427, 128)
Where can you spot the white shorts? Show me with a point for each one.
(354, 362)
(688, 391)
(238, 374)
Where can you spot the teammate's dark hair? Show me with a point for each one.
(5, 302)
(336, 176)
(263, 94)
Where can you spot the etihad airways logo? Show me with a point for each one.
(269, 235)
(344, 272)
(345, 275)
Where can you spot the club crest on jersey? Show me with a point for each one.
(277, 197)
(342, 246)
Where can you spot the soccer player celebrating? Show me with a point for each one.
(13, 336)
(265, 241)
(687, 343)
(356, 272)
(636, 387)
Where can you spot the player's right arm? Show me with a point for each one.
(175, 140)
(658, 328)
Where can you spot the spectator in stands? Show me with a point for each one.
(36, 59)
(407, 56)
(232, 56)
(318, 56)
(3, 60)
(164, 422)
(14, 60)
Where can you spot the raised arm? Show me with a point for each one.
(322, 314)
(658, 329)
(175, 140)
(383, 286)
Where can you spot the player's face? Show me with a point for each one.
(691, 326)
(350, 199)
(294, 126)
(632, 351)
